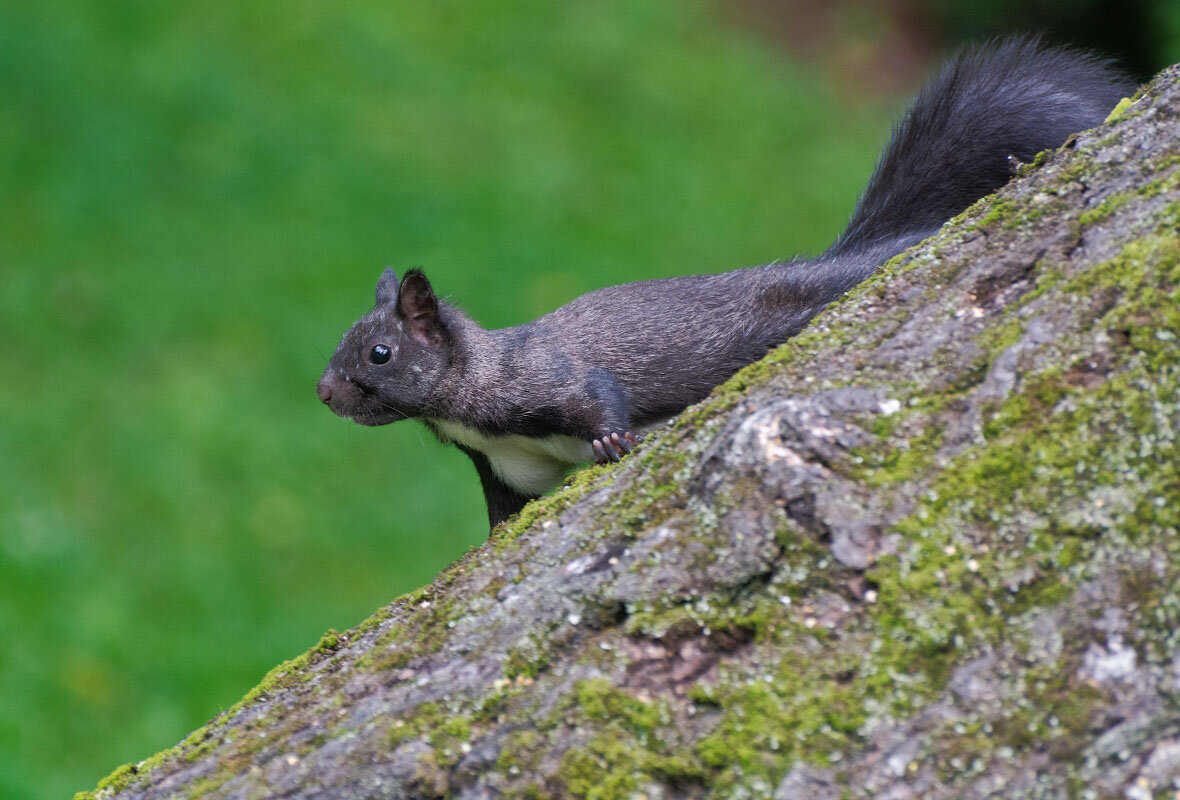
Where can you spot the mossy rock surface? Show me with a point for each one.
(929, 548)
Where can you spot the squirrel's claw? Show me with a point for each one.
(613, 447)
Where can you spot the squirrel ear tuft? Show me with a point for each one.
(417, 305)
(387, 287)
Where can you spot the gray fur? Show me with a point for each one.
(624, 357)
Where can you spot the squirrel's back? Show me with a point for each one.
(671, 340)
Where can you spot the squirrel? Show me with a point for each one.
(529, 402)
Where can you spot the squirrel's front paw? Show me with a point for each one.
(613, 446)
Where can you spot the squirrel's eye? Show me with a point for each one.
(379, 354)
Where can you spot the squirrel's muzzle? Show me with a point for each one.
(323, 390)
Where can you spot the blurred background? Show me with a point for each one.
(195, 202)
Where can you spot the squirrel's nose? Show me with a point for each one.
(323, 390)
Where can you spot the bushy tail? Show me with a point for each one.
(1011, 97)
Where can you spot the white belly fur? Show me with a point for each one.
(529, 465)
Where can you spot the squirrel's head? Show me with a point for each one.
(391, 358)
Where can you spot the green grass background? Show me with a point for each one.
(195, 202)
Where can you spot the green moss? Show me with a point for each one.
(329, 642)
(447, 735)
(1104, 209)
(373, 622)
(200, 750)
(447, 730)
(1118, 111)
(627, 747)
(278, 677)
(429, 613)
(611, 767)
(656, 619)
(575, 486)
(999, 337)
(519, 751)
(603, 770)
(1057, 717)
(1037, 162)
(805, 711)
(382, 656)
(599, 699)
(1167, 183)
(894, 460)
(203, 786)
(1000, 211)
(430, 777)
(1077, 166)
(415, 724)
(525, 664)
(119, 779)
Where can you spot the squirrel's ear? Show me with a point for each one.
(417, 305)
(387, 287)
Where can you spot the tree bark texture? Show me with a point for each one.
(929, 548)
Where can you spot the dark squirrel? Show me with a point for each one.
(529, 402)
